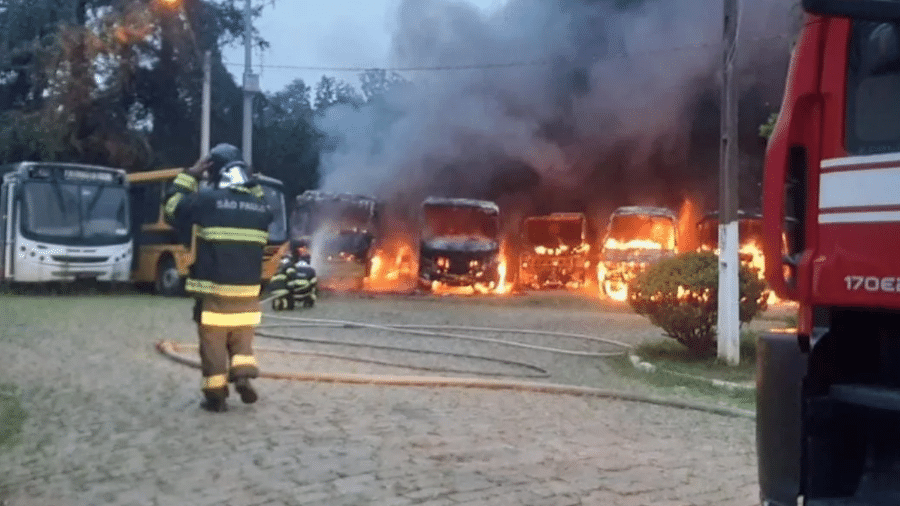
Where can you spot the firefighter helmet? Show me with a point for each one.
(227, 168)
(233, 174)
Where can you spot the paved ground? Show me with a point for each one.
(111, 422)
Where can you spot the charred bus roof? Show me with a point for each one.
(644, 211)
(484, 205)
(323, 196)
(558, 217)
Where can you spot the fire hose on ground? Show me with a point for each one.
(172, 350)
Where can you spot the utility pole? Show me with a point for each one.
(251, 86)
(729, 324)
(207, 103)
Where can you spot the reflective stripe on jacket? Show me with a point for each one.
(293, 279)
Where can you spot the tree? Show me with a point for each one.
(286, 145)
(64, 100)
(376, 83)
(332, 91)
(115, 82)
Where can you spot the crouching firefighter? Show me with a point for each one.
(294, 283)
(231, 221)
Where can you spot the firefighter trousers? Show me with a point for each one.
(225, 327)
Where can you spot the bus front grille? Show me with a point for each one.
(79, 260)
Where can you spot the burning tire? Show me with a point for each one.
(424, 285)
(615, 290)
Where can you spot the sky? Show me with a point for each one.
(316, 33)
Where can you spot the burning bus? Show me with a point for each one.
(338, 232)
(555, 252)
(750, 233)
(459, 244)
(636, 237)
(749, 237)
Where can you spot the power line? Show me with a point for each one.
(473, 66)
(500, 65)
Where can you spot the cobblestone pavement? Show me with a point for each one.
(112, 422)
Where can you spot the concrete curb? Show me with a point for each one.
(728, 386)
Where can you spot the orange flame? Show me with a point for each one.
(688, 216)
(632, 244)
(502, 286)
(391, 268)
(751, 255)
(615, 290)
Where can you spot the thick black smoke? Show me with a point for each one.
(615, 103)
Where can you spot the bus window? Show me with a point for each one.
(873, 89)
(50, 210)
(93, 213)
(150, 202)
(278, 227)
(105, 211)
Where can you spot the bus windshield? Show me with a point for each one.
(443, 221)
(278, 228)
(75, 213)
(553, 232)
(642, 228)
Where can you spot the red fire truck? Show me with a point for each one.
(828, 397)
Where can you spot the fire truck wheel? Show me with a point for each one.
(168, 281)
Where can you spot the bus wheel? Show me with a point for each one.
(168, 281)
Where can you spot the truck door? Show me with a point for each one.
(859, 200)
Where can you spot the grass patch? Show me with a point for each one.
(673, 356)
(12, 416)
(681, 374)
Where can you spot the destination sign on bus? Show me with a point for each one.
(73, 174)
(86, 175)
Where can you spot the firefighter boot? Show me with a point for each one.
(214, 401)
(243, 367)
(246, 390)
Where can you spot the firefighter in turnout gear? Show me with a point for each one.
(231, 220)
(294, 283)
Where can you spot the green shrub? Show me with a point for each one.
(680, 295)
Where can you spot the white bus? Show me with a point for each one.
(64, 222)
